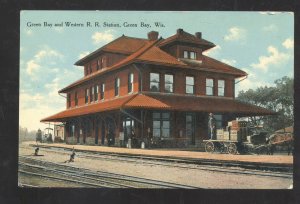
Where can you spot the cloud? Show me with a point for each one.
(231, 62)
(46, 57)
(252, 81)
(83, 54)
(274, 58)
(32, 67)
(47, 53)
(29, 32)
(105, 36)
(213, 51)
(235, 34)
(270, 28)
(288, 43)
(36, 106)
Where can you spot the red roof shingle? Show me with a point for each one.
(164, 102)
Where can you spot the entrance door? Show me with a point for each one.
(128, 126)
(190, 127)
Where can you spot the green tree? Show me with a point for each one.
(278, 98)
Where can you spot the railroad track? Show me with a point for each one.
(54, 171)
(182, 163)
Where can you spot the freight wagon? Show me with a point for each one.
(238, 137)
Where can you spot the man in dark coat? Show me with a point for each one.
(211, 126)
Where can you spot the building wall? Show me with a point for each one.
(109, 80)
(179, 80)
(109, 59)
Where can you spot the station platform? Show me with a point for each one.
(274, 160)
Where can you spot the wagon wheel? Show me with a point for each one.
(209, 147)
(232, 148)
(223, 148)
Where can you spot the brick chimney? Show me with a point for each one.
(198, 35)
(179, 31)
(153, 35)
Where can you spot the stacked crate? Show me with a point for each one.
(238, 130)
(220, 134)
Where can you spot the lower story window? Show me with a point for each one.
(161, 124)
(219, 121)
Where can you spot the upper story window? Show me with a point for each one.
(193, 55)
(91, 94)
(86, 95)
(117, 86)
(96, 91)
(98, 64)
(130, 82)
(189, 85)
(90, 68)
(85, 71)
(102, 90)
(154, 82)
(209, 87)
(185, 54)
(169, 83)
(189, 54)
(69, 100)
(221, 87)
(76, 99)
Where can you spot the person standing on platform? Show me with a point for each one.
(211, 126)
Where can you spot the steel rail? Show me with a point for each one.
(174, 163)
(86, 174)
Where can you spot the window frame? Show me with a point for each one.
(190, 55)
(102, 91)
(130, 82)
(168, 83)
(210, 87)
(154, 82)
(96, 92)
(185, 54)
(161, 121)
(117, 86)
(98, 64)
(87, 95)
(76, 98)
(69, 100)
(221, 87)
(190, 85)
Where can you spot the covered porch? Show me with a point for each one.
(154, 120)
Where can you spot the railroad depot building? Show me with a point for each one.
(152, 89)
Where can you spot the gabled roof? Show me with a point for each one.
(123, 45)
(122, 63)
(156, 55)
(209, 64)
(171, 102)
(146, 51)
(182, 36)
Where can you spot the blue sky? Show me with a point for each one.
(260, 43)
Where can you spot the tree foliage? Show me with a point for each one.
(278, 98)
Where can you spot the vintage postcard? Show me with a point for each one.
(136, 99)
